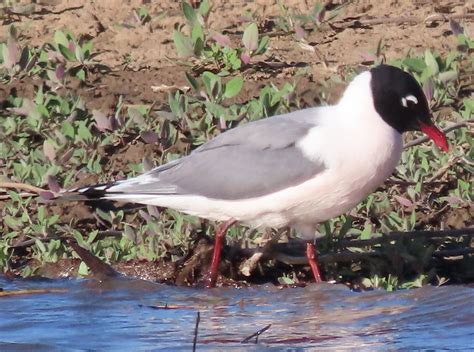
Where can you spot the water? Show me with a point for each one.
(116, 315)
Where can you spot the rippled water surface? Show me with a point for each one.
(117, 315)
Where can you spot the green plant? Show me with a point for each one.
(143, 15)
(216, 48)
(297, 23)
(77, 57)
(194, 43)
(14, 60)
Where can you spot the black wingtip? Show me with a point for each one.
(95, 192)
(92, 193)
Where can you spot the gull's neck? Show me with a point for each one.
(358, 94)
(356, 107)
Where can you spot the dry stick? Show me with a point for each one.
(99, 268)
(452, 161)
(25, 186)
(43, 11)
(445, 130)
(347, 256)
(399, 20)
(407, 235)
(453, 252)
(392, 181)
(21, 195)
(256, 334)
(196, 329)
(249, 265)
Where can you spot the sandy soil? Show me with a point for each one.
(142, 56)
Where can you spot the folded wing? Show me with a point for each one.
(253, 160)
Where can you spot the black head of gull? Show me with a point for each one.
(400, 101)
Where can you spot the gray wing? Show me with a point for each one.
(252, 160)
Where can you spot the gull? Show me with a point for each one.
(292, 170)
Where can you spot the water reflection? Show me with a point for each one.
(116, 315)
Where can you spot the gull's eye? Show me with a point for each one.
(409, 100)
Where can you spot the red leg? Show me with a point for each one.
(312, 259)
(216, 256)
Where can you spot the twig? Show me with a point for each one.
(392, 181)
(407, 235)
(250, 264)
(31, 292)
(399, 20)
(24, 186)
(23, 244)
(196, 329)
(21, 195)
(43, 11)
(347, 256)
(256, 334)
(99, 268)
(453, 252)
(445, 130)
(442, 170)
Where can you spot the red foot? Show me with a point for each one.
(216, 256)
(312, 259)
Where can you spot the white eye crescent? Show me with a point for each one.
(408, 98)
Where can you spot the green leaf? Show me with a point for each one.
(430, 61)
(204, 8)
(346, 226)
(189, 12)
(81, 74)
(198, 47)
(79, 54)
(197, 33)
(61, 39)
(233, 87)
(92, 236)
(68, 54)
(12, 222)
(250, 38)
(40, 245)
(83, 132)
(469, 104)
(24, 58)
(366, 233)
(210, 81)
(183, 44)
(68, 129)
(415, 64)
(262, 46)
(192, 81)
(87, 48)
(83, 269)
(41, 214)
